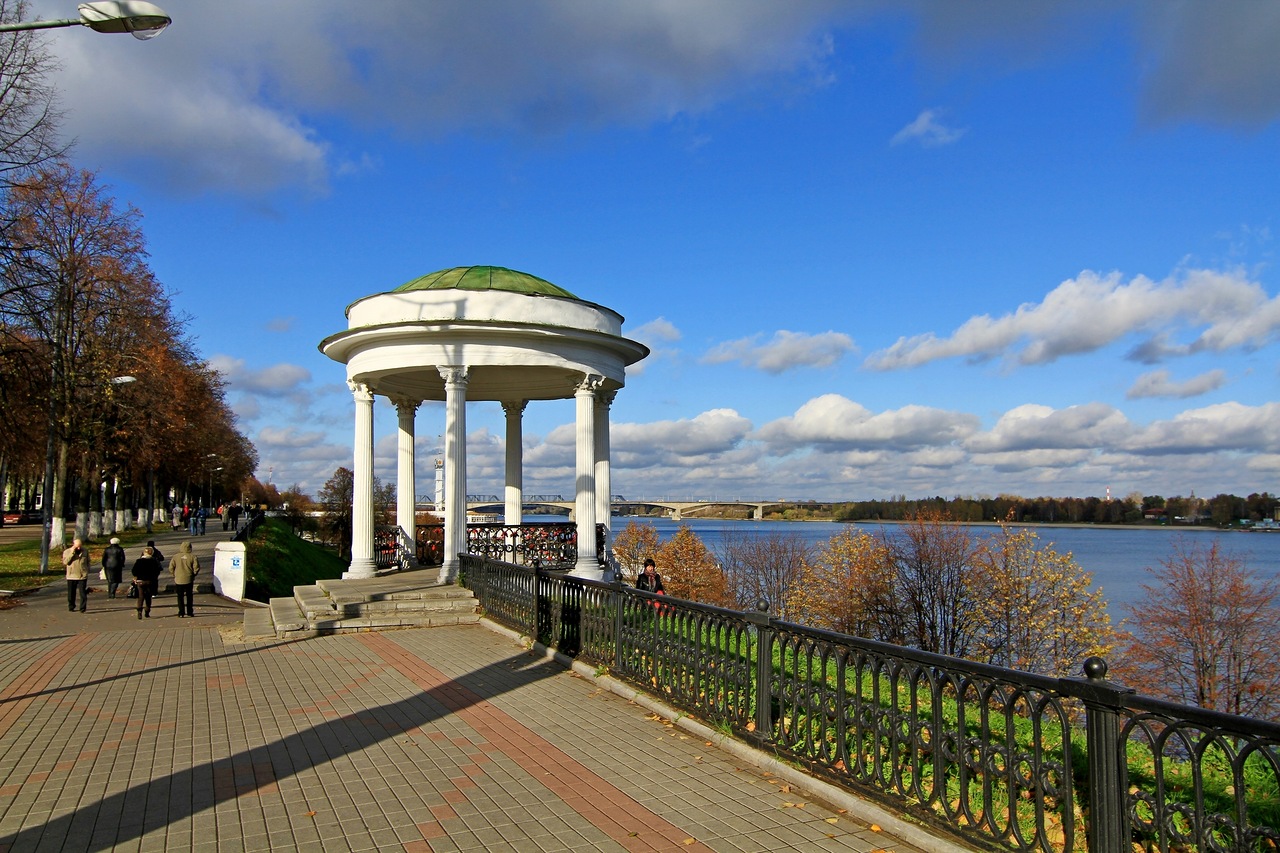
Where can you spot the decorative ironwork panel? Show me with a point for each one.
(429, 542)
(988, 755)
(1200, 781)
(504, 591)
(703, 660)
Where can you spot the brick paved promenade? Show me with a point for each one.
(160, 734)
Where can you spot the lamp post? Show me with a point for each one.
(141, 19)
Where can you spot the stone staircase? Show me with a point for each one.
(408, 599)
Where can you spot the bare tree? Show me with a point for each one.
(29, 115)
(763, 567)
(935, 559)
(1206, 633)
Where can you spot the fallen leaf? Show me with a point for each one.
(690, 841)
(875, 827)
(311, 814)
(833, 820)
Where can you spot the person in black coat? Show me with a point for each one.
(146, 571)
(649, 580)
(113, 566)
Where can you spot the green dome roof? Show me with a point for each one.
(484, 278)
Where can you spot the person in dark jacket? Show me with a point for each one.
(649, 580)
(113, 566)
(146, 571)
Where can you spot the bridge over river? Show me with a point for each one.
(676, 508)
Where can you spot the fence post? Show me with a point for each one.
(764, 668)
(534, 612)
(1108, 827)
(617, 622)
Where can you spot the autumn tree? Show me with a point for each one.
(849, 585)
(298, 507)
(689, 569)
(335, 501)
(1038, 611)
(1206, 633)
(632, 545)
(763, 567)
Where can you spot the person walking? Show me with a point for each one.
(203, 515)
(76, 561)
(146, 571)
(113, 566)
(159, 555)
(193, 520)
(185, 566)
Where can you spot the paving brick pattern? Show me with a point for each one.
(443, 739)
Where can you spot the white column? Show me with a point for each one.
(406, 484)
(362, 565)
(455, 469)
(513, 512)
(604, 484)
(585, 485)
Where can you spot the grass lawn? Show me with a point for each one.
(20, 561)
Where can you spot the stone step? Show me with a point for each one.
(343, 595)
(312, 602)
(287, 615)
(389, 621)
(370, 608)
(258, 624)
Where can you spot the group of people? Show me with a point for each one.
(146, 573)
(196, 519)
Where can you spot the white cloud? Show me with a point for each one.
(659, 330)
(785, 351)
(835, 421)
(1091, 311)
(1221, 427)
(1034, 427)
(277, 380)
(1157, 383)
(234, 96)
(928, 131)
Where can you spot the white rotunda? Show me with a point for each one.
(481, 334)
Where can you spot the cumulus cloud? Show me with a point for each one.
(656, 331)
(1038, 427)
(928, 130)
(1157, 383)
(1221, 427)
(278, 380)
(1219, 310)
(835, 421)
(243, 108)
(785, 351)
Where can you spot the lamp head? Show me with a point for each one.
(143, 20)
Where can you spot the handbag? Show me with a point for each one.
(133, 591)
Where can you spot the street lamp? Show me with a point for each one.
(144, 20)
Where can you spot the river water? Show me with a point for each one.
(1116, 558)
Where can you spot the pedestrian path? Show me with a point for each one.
(179, 735)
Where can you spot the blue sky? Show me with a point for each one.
(876, 248)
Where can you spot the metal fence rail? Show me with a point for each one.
(1007, 759)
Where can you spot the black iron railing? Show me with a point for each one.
(547, 544)
(1004, 758)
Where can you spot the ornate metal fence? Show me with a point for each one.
(1006, 759)
(548, 544)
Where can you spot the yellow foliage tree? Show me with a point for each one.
(1038, 611)
(632, 545)
(689, 569)
(848, 586)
